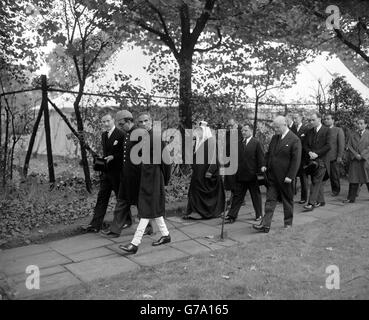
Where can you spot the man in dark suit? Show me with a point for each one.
(337, 142)
(112, 143)
(282, 163)
(250, 162)
(299, 129)
(316, 146)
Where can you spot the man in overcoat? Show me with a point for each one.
(358, 148)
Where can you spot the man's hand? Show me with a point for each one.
(208, 175)
(109, 158)
(313, 155)
(263, 169)
(287, 180)
(358, 157)
(339, 160)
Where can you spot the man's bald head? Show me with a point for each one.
(280, 124)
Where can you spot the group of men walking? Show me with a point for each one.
(301, 151)
(141, 185)
(296, 150)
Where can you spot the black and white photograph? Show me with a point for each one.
(182, 156)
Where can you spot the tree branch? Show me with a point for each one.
(203, 19)
(217, 45)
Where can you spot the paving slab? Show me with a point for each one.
(122, 239)
(41, 260)
(245, 236)
(212, 222)
(145, 246)
(191, 247)
(177, 235)
(43, 272)
(12, 254)
(198, 230)
(103, 267)
(48, 283)
(158, 256)
(79, 243)
(217, 244)
(89, 254)
(238, 225)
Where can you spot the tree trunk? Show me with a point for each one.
(256, 116)
(50, 162)
(185, 90)
(6, 146)
(82, 144)
(32, 141)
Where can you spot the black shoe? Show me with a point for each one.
(109, 234)
(162, 240)
(319, 204)
(308, 207)
(148, 231)
(229, 220)
(348, 201)
(287, 226)
(259, 218)
(130, 248)
(302, 201)
(261, 228)
(89, 228)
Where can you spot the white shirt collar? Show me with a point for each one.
(331, 126)
(248, 140)
(284, 134)
(111, 131)
(318, 128)
(299, 126)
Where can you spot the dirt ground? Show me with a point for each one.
(285, 264)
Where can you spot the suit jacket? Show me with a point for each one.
(250, 160)
(283, 157)
(113, 146)
(337, 142)
(301, 134)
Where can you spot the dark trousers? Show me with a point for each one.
(317, 185)
(303, 183)
(108, 182)
(354, 190)
(335, 176)
(122, 216)
(239, 194)
(275, 193)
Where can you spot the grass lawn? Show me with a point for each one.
(284, 264)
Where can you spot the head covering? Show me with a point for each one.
(206, 134)
(123, 114)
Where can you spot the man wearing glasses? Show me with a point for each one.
(316, 146)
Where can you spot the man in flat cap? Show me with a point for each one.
(129, 181)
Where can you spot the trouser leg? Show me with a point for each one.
(137, 238)
(102, 202)
(316, 182)
(122, 216)
(304, 185)
(162, 226)
(255, 198)
(270, 204)
(238, 196)
(287, 201)
(335, 177)
(353, 190)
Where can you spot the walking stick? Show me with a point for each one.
(222, 233)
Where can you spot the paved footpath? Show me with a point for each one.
(84, 258)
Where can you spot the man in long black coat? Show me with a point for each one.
(282, 163)
(129, 180)
(316, 146)
(112, 143)
(250, 162)
(155, 174)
